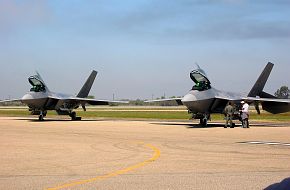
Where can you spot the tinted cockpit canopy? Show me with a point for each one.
(199, 78)
(37, 84)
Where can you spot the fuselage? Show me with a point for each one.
(46, 100)
(205, 101)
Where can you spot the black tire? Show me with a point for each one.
(73, 116)
(201, 121)
(204, 122)
(41, 118)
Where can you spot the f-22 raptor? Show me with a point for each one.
(203, 99)
(40, 99)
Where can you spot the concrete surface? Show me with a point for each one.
(114, 154)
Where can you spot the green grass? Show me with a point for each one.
(141, 113)
(18, 112)
(137, 114)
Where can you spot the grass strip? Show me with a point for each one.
(146, 114)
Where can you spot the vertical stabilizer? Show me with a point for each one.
(84, 92)
(260, 83)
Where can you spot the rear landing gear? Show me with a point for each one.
(203, 122)
(233, 126)
(74, 117)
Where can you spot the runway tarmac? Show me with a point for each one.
(120, 154)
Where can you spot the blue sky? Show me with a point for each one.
(142, 47)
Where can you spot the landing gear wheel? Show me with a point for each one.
(73, 116)
(203, 122)
(41, 118)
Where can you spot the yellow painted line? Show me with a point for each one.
(155, 156)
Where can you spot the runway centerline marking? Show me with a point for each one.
(265, 142)
(155, 156)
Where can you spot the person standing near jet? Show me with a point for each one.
(229, 111)
(245, 114)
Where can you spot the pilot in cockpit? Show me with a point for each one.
(201, 85)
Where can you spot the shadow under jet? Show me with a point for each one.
(191, 125)
(283, 185)
(59, 120)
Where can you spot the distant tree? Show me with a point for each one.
(138, 102)
(113, 104)
(91, 97)
(283, 92)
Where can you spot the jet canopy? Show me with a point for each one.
(199, 78)
(37, 84)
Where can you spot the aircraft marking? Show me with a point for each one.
(267, 143)
(155, 156)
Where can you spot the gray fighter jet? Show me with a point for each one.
(203, 99)
(40, 98)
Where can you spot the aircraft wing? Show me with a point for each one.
(177, 100)
(85, 100)
(12, 100)
(220, 102)
(96, 102)
(228, 98)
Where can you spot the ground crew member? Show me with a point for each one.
(245, 114)
(229, 111)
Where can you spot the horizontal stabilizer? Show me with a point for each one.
(273, 105)
(277, 100)
(276, 107)
(177, 100)
(88, 100)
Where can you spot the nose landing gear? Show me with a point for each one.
(42, 115)
(203, 121)
(203, 118)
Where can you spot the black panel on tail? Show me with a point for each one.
(84, 92)
(260, 83)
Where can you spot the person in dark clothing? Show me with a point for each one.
(229, 111)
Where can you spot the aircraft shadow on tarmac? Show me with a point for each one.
(191, 125)
(283, 185)
(214, 125)
(59, 120)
